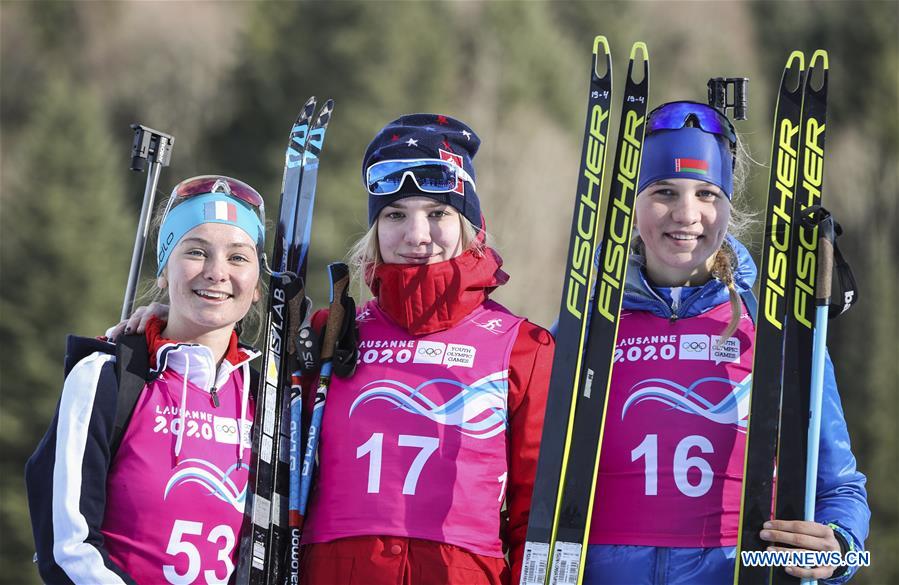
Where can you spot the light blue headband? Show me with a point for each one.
(200, 209)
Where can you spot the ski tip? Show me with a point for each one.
(602, 55)
(819, 55)
(641, 77)
(324, 114)
(601, 41)
(639, 46)
(796, 56)
(306, 113)
(816, 79)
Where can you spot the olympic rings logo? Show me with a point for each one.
(694, 345)
(226, 428)
(430, 351)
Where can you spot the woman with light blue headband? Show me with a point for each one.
(165, 505)
(667, 501)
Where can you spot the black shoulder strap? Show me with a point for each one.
(78, 348)
(132, 372)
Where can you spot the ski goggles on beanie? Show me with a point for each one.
(430, 175)
(210, 199)
(435, 152)
(677, 115)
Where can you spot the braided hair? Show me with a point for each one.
(723, 270)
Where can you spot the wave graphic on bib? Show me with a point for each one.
(478, 409)
(730, 410)
(208, 475)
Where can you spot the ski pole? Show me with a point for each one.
(822, 297)
(153, 147)
(300, 330)
(822, 300)
(339, 275)
(830, 260)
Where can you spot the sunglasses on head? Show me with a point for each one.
(676, 115)
(430, 175)
(205, 184)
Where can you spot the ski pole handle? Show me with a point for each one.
(340, 280)
(153, 147)
(823, 286)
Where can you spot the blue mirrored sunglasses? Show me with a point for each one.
(675, 115)
(430, 175)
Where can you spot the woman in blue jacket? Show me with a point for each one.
(670, 472)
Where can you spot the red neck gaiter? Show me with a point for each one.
(155, 340)
(427, 298)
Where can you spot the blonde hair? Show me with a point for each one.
(741, 222)
(723, 270)
(364, 256)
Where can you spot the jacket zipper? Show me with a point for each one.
(674, 312)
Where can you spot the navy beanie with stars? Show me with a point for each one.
(426, 136)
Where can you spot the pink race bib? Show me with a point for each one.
(414, 444)
(178, 522)
(671, 466)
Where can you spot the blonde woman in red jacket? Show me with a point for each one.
(437, 431)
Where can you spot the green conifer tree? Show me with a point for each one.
(64, 262)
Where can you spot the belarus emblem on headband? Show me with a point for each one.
(691, 165)
(456, 159)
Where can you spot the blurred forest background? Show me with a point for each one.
(228, 78)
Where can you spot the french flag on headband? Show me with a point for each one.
(220, 211)
(691, 165)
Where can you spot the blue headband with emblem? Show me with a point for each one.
(208, 208)
(687, 153)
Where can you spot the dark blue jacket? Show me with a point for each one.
(841, 498)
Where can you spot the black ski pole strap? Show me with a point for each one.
(848, 286)
(307, 343)
(829, 230)
(132, 370)
(295, 300)
(346, 351)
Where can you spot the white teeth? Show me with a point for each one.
(212, 294)
(683, 237)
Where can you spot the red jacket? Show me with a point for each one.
(425, 299)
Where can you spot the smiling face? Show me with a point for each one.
(682, 223)
(419, 230)
(212, 276)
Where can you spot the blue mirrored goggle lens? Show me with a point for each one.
(386, 177)
(674, 116)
